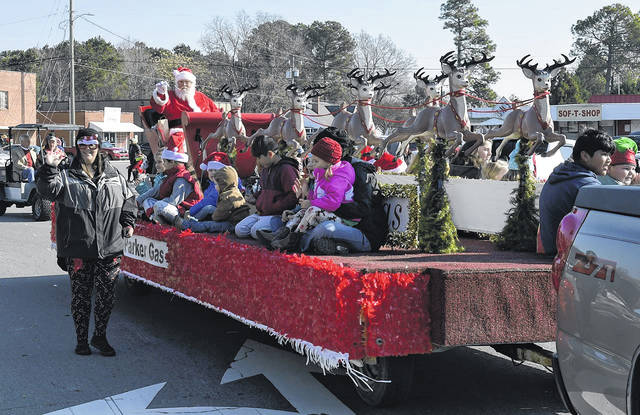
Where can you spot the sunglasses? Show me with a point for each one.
(89, 146)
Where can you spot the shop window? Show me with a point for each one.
(4, 100)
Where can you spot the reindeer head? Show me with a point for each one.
(299, 98)
(432, 86)
(541, 78)
(458, 73)
(235, 98)
(365, 89)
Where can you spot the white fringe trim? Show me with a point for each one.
(328, 360)
(159, 100)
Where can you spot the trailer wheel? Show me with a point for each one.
(399, 370)
(135, 287)
(41, 209)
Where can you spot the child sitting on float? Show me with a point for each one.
(334, 180)
(205, 207)
(230, 209)
(148, 188)
(622, 170)
(179, 191)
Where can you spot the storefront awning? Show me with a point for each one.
(122, 127)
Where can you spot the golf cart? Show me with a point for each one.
(14, 190)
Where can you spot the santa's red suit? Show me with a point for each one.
(172, 106)
(169, 104)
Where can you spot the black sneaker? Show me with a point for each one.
(101, 343)
(328, 246)
(289, 243)
(265, 237)
(83, 349)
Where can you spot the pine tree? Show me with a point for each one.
(471, 39)
(520, 231)
(436, 231)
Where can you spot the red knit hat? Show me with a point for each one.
(328, 150)
(387, 162)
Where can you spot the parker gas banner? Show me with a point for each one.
(148, 250)
(586, 112)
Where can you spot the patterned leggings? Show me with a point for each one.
(84, 274)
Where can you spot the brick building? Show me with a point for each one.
(17, 99)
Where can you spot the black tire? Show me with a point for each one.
(135, 287)
(41, 209)
(399, 370)
(3, 208)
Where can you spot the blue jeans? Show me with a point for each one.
(253, 223)
(210, 226)
(29, 174)
(204, 212)
(353, 238)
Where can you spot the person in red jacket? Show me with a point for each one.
(183, 98)
(278, 176)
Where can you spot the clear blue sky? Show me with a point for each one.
(539, 27)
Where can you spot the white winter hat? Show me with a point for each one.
(175, 155)
(184, 74)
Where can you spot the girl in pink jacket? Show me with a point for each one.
(333, 186)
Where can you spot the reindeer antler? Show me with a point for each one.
(226, 88)
(313, 87)
(419, 75)
(448, 59)
(559, 64)
(378, 75)
(356, 74)
(248, 88)
(527, 65)
(382, 85)
(474, 61)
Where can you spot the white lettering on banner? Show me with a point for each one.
(148, 250)
(397, 211)
(592, 112)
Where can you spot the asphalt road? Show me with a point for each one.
(161, 338)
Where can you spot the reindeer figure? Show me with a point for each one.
(232, 128)
(290, 128)
(535, 124)
(359, 124)
(450, 122)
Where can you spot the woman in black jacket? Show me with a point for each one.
(95, 211)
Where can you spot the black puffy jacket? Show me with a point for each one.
(90, 214)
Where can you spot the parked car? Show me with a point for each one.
(597, 275)
(113, 152)
(107, 149)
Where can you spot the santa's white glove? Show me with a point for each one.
(161, 87)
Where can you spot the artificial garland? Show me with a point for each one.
(436, 232)
(520, 231)
(409, 238)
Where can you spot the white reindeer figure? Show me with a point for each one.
(233, 128)
(359, 124)
(290, 128)
(450, 122)
(535, 124)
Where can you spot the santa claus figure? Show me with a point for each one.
(183, 98)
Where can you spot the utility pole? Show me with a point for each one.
(72, 81)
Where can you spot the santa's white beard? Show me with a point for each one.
(189, 96)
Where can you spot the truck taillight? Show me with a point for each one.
(567, 232)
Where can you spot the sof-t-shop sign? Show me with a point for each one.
(148, 250)
(587, 112)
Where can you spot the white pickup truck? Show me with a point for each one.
(597, 275)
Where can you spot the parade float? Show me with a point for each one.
(369, 313)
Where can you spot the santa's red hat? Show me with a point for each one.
(387, 163)
(366, 153)
(215, 161)
(176, 140)
(184, 74)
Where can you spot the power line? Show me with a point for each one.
(107, 30)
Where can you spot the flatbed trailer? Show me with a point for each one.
(369, 313)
